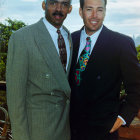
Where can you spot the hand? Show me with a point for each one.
(116, 125)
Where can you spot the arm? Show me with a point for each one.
(16, 78)
(130, 69)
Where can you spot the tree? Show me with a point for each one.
(5, 32)
(138, 50)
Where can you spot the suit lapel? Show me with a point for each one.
(76, 42)
(71, 49)
(50, 55)
(99, 46)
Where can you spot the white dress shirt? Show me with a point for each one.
(53, 32)
(94, 38)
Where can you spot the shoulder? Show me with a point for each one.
(76, 36)
(22, 36)
(76, 33)
(24, 30)
(121, 41)
(118, 37)
(28, 30)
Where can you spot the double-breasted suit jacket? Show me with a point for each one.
(38, 91)
(96, 102)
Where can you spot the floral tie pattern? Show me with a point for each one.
(82, 62)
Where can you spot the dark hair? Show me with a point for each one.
(82, 3)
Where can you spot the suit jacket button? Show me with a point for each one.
(68, 101)
(47, 76)
(98, 77)
(52, 93)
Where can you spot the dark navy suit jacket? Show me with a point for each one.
(97, 100)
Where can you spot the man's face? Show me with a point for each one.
(56, 11)
(93, 14)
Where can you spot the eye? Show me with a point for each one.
(52, 2)
(89, 9)
(100, 10)
(65, 4)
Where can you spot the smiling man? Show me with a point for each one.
(102, 60)
(38, 64)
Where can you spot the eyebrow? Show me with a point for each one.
(89, 7)
(93, 7)
(100, 7)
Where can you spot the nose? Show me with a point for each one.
(94, 14)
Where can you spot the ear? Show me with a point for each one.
(43, 5)
(80, 12)
(70, 9)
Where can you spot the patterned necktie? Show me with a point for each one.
(82, 61)
(62, 49)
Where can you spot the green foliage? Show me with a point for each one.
(5, 32)
(2, 97)
(3, 57)
(138, 50)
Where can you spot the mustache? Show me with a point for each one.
(58, 14)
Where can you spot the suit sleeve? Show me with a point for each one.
(16, 80)
(130, 69)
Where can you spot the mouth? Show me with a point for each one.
(93, 22)
(58, 15)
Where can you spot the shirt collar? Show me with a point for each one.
(96, 34)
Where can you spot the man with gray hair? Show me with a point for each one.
(38, 64)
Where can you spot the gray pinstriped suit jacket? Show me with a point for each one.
(38, 91)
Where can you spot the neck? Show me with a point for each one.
(55, 25)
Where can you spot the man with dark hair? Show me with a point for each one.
(82, 3)
(38, 64)
(102, 60)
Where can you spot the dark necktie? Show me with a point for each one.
(82, 61)
(62, 49)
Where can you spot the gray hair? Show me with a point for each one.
(46, 1)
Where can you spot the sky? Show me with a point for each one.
(121, 15)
